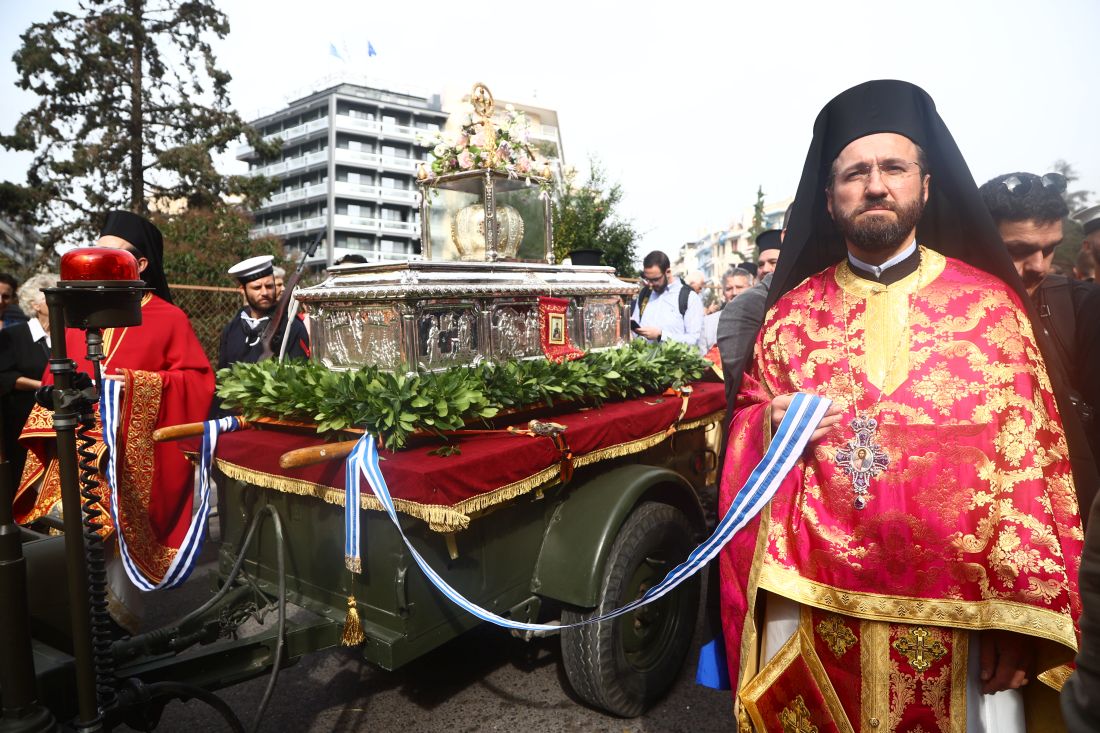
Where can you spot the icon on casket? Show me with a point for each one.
(557, 329)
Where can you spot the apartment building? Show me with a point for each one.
(348, 169)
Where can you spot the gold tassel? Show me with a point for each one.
(353, 630)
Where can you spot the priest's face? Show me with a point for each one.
(1031, 245)
(260, 295)
(876, 195)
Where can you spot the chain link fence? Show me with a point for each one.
(209, 309)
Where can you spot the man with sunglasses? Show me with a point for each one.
(666, 308)
(1029, 212)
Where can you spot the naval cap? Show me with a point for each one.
(1089, 218)
(253, 268)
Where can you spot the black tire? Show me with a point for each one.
(626, 664)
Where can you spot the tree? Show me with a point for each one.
(131, 107)
(201, 244)
(1065, 256)
(1075, 200)
(585, 218)
(757, 215)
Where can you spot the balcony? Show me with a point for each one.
(360, 158)
(378, 226)
(295, 194)
(288, 136)
(290, 227)
(348, 189)
(379, 128)
(280, 169)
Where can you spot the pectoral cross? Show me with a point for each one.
(862, 459)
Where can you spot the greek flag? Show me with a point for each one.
(110, 403)
(787, 444)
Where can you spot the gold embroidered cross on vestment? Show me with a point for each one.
(795, 718)
(836, 635)
(914, 646)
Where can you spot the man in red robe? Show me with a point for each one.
(917, 570)
(167, 381)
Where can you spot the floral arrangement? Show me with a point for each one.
(483, 144)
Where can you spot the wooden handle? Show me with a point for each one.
(316, 454)
(186, 430)
(175, 432)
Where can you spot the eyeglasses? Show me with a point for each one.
(892, 172)
(653, 280)
(1018, 186)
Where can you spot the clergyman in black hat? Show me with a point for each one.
(896, 571)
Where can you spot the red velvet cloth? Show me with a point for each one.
(488, 461)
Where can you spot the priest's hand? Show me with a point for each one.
(830, 420)
(1006, 659)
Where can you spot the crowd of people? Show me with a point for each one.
(926, 565)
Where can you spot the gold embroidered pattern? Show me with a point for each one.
(837, 636)
(921, 648)
(795, 718)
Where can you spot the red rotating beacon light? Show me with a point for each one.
(100, 287)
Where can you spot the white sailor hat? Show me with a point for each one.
(253, 268)
(1089, 218)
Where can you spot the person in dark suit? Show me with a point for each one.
(24, 351)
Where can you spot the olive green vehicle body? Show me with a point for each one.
(524, 559)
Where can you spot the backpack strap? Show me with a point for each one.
(643, 299)
(685, 293)
(1059, 319)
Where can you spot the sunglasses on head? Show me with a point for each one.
(1021, 185)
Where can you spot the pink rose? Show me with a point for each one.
(523, 164)
(465, 160)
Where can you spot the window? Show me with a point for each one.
(391, 182)
(391, 214)
(389, 151)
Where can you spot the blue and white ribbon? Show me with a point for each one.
(110, 404)
(787, 444)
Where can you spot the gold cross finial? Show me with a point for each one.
(482, 100)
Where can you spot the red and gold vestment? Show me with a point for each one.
(169, 381)
(974, 524)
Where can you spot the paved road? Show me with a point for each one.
(486, 680)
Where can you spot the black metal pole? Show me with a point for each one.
(21, 711)
(65, 418)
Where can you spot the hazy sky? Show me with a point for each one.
(691, 108)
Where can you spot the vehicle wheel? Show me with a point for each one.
(624, 665)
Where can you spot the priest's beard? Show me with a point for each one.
(879, 233)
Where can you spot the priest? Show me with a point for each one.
(167, 381)
(917, 570)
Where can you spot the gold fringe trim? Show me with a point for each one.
(354, 564)
(439, 518)
(453, 518)
(1056, 677)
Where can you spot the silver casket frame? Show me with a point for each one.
(424, 315)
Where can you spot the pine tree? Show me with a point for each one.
(585, 218)
(131, 108)
(757, 215)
